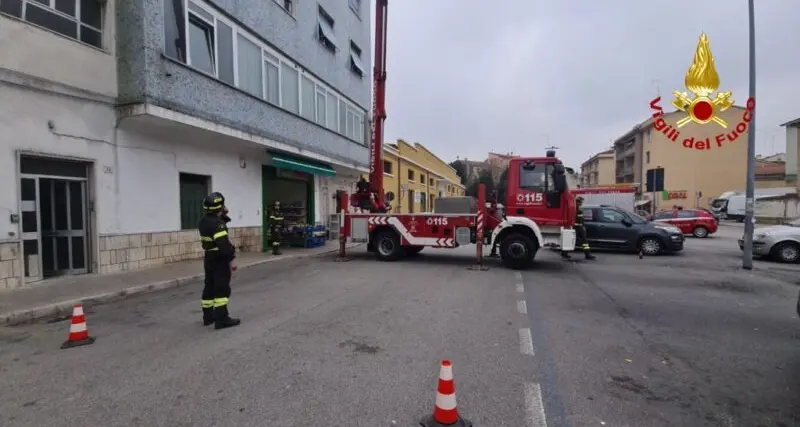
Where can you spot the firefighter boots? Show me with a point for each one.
(589, 256)
(222, 320)
(208, 316)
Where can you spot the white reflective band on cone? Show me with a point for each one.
(446, 402)
(80, 327)
(77, 311)
(446, 373)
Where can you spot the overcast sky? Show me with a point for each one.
(469, 76)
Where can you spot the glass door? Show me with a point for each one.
(31, 226)
(63, 218)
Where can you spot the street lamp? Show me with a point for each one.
(749, 225)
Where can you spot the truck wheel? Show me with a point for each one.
(517, 251)
(413, 250)
(387, 246)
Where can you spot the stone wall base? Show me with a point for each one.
(123, 252)
(9, 265)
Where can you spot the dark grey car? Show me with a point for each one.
(612, 228)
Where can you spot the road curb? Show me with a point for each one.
(64, 308)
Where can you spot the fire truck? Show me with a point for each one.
(539, 207)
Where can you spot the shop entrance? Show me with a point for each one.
(54, 200)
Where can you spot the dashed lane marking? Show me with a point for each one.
(522, 307)
(526, 342)
(520, 288)
(518, 275)
(534, 408)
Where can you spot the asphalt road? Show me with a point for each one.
(662, 341)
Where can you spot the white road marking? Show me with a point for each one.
(518, 275)
(522, 307)
(520, 287)
(526, 342)
(534, 408)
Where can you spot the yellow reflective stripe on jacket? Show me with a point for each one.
(276, 218)
(207, 303)
(219, 234)
(220, 302)
(206, 239)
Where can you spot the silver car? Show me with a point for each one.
(778, 242)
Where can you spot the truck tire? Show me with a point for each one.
(517, 251)
(413, 250)
(387, 246)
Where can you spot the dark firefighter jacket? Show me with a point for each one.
(214, 238)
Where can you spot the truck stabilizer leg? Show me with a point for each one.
(479, 266)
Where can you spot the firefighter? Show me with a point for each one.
(276, 227)
(580, 232)
(217, 263)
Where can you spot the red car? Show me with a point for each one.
(697, 222)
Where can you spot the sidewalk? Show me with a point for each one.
(55, 297)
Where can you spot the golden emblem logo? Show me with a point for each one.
(702, 80)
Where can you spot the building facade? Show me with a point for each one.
(699, 161)
(417, 177)
(598, 170)
(792, 158)
(130, 112)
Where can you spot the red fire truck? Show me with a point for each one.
(539, 209)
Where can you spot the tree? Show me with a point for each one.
(461, 170)
(486, 179)
(502, 187)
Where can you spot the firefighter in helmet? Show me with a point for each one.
(276, 227)
(580, 231)
(217, 262)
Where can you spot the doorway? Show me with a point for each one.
(55, 218)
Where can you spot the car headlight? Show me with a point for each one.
(760, 236)
(669, 229)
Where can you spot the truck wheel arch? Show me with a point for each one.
(518, 224)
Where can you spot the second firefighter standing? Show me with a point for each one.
(580, 231)
(276, 226)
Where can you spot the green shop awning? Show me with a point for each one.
(301, 165)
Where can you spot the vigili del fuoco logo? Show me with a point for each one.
(702, 80)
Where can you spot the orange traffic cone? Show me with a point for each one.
(445, 412)
(78, 332)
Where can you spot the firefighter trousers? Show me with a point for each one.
(581, 240)
(217, 289)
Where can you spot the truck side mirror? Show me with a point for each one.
(559, 178)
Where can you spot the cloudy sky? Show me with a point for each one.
(469, 76)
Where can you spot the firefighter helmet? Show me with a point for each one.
(579, 199)
(214, 202)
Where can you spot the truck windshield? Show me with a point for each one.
(535, 178)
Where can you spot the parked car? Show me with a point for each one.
(778, 242)
(613, 228)
(697, 222)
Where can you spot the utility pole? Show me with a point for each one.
(749, 208)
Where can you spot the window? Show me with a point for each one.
(663, 215)
(410, 175)
(81, 20)
(308, 109)
(387, 167)
(196, 35)
(225, 53)
(534, 177)
(647, 156)
(430, 183)
(290, 92)
(249, 56)
(332, 111)
(610, 215)
(193, 189)
(287, 5)
(321, 103)
(356, 65)
(325, 33)
(588, 214)
(686, 214)
(421, 179)
(201, 40)
(272, 82)
(355, 6)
